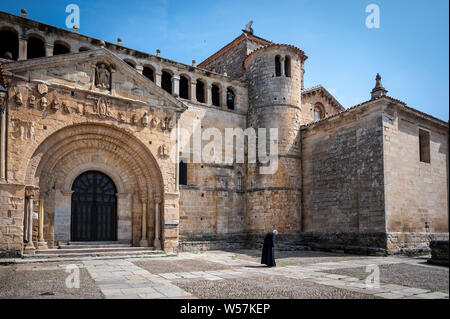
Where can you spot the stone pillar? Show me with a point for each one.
(144, 241)
(283, 71)
(29, 197)
(176, 85)
(158, 76)
(208, 94)
(223, 98)
(140, 68)
(41, 242)
(23, 47)
(157, 240)
(49, 49)
(194, 90)
(3, 146)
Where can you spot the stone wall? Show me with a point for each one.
(11, 219)
(416, 192)
(343, 178)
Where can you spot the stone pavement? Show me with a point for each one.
(121, 279)
(314, 273)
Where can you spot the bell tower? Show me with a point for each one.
(275, 80)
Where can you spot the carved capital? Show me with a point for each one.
(66, 192)
(30, 192)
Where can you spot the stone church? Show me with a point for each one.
(86, 131)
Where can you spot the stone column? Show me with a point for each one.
(158, 76)
(194, 90)
(41, 242)
(29, 197)
(208, 94)
(176, 85)
(282, 65)
(140, 68)
(157, 240)
(223, 98)
(144, 241)
(3, 146)
(49, 49)
(23, 47)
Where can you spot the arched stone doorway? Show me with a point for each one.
(66, 154)
(94, 208)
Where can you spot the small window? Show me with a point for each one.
(230, 99)
(277, 66)
(166, 82)
(318, 112)
(200, 91)
(184, 87)
(148, 73)
(60, 48)
(215, 94)
(182, 174)
(239, 182)
(287, 66)
(424, 146)
(35, 48)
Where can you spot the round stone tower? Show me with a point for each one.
(275, 81)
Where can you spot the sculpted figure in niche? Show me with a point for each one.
(102, 77)
(19, 98)
(102, 107)
(145, 119)
(32, 101)
(44, 102)
(55, 104)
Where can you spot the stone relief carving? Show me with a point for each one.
(22, 130)
(102, 77)
(103, 105)
(19, 98)
(56, 104)
(121, 117)
(145, 119)
(163, 151)
(65, 107)
(42, 88)
(168, 123)
(44, 102)
(154, 122)
(32, 101)
(133, 119)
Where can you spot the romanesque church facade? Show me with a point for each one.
(87, 132)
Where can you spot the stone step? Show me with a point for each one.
(146, 251)
(91, 250)
(78, 246)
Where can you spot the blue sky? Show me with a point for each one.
(410, 49)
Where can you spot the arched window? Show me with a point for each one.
(230, 99)
(35, 47)
(184, 87)
(60, 48)
(215, 95)
(287, 66)
(319, 112)
(277, 66)
(166, 82)
(9, 44)
(83, 49)
(200, 91)
(148, 73)
(130, 63)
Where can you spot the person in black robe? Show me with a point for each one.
(268, 256)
